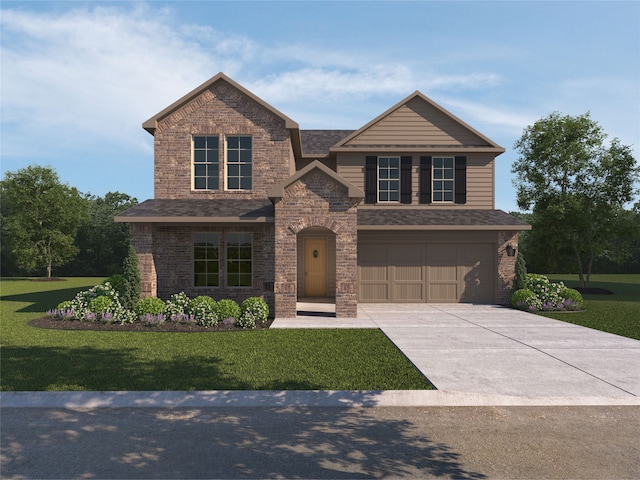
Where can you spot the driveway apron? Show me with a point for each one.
(494, 350)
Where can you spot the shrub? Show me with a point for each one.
(525, 299)
(149, 306)
(254, 309)
(520, 278)
(547, 292)
(571, 299)
(100, 304)
(177, 304)
(131, 281)
(226, 309)
(116, 281)
(66, 305)
(81, 310)
(203, 309)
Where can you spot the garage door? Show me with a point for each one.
(426, 273)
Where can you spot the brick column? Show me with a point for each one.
(285, 264)
(506, 266)
(142, 241)
(347, 269)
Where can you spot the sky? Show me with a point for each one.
(79, 78)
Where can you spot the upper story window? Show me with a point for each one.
(388, 179)
(239, 164)
(206, 162)
(206, 260)
(443, 179)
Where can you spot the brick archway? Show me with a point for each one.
(315, 199)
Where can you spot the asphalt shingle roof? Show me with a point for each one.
(318, 142)
(448, 217)
(201, 209)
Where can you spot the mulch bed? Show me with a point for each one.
(593, 291)
(53, 323)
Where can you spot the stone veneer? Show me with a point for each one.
(506, 266)
(316, 200)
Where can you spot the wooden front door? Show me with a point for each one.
(315, 267)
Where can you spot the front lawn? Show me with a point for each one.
(618, 313)
(38, 359)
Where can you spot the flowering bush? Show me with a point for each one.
(86, 306)
(253, 310)
(152, 319)
(102, 304)
(203, 308)
(546, 291)
(541, 294)
(177, 304)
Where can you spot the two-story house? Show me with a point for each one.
(247, 204)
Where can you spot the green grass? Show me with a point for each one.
(618, 313)
(48, 360)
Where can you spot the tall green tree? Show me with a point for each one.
(103, 243)
(40, 218)
(575, 186)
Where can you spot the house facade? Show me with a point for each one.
(248, 204)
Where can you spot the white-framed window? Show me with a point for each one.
(239, 162)
(206, 260)
(388, 179)
(206, 162)
(239, 259)
(443, 179)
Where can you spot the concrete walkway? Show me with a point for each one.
(487, 354)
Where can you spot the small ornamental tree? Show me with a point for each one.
(131, 283)
(521, 273)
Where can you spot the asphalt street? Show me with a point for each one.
(299, 442)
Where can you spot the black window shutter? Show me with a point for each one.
(371, 180)
(461, 180)
(405, 179)
(425, 179)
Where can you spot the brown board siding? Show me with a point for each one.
(417, 123)
(480, 184)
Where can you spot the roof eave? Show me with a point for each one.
(420, 149)
(445, 227)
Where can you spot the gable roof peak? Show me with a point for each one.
(419, 95)
(151, 124)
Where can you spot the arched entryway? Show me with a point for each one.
(316, 280)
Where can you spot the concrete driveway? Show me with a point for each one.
(492, 355)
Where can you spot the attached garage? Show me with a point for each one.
(421, 267)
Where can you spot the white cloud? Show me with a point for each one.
(99, 72)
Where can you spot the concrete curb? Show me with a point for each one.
(289, 398)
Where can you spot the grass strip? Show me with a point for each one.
(323, 359)
(618, 313)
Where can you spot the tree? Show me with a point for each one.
(575, 186)
(131, 285)
(40, 217)
(103, 243)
